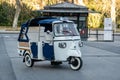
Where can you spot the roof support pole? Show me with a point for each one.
(78, 22)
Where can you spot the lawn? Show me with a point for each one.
(9, 28)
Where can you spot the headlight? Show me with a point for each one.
(80, 44)
(62, 45)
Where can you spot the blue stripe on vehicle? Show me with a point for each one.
(34, 49)
(48, 51)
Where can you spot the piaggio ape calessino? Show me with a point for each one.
(51, 39)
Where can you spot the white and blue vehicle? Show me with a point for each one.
(51, 39)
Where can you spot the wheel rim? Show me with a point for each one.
(75, 63)
(28, 60)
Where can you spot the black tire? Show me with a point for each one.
(28, 61)
(76, 63)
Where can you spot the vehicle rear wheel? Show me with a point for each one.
(28, 61)
(76, 63)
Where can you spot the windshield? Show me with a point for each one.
(65, 29)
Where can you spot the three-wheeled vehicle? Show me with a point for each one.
(50, 39)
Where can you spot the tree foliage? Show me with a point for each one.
(94, 20)
(6, 13)
(7, 9)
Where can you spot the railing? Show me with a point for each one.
(99, 35)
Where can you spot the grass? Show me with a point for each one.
(9, 28)
(118, 30)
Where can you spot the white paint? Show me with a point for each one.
(40, 51)
(72, 49)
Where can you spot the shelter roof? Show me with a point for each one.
(65, 7)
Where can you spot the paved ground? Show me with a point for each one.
(101, 61)
(108, 46)
(6, 69)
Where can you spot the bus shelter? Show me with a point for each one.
(76, 13)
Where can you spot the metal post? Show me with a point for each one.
(113, 35)
(78, 24)
(89, 32)
(97, 34)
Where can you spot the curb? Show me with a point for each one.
(117, 34)
(9, 32)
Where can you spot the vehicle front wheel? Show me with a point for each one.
(76, 63)
(28, 61)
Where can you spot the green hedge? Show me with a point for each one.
(7, 13)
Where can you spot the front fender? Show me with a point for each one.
(75, 53)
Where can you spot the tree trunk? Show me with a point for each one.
(113, 14)
(79, 2)
(65, 0)
(73, 1)
(43, 3)
(17, 13)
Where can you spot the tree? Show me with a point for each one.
(113, 14)
(94, 20)
(17, 13)
(79, 2)
(118, 13)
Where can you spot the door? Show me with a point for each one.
(48, 52)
